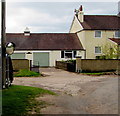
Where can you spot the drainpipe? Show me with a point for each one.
(85, 54)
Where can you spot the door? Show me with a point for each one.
(18, 56)
(41, 59)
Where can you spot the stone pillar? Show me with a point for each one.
(118, 68)
(78, 64)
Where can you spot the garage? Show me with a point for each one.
(41, 59)
(18, 56)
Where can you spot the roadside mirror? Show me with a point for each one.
(10, 48)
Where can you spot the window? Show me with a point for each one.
(97, 49)
(98, 34)
(68, 54)
(62, 54)
(117, 34)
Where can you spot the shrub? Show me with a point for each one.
(26, 73)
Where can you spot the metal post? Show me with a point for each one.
(3, 40)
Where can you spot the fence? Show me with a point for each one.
(21, 64)
(90, 65)
(95, 65)
(68, 66)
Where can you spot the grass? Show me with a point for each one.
(19, 100)
(26, 73)
(95, 73)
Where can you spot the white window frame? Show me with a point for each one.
(115, 34)
(95, 50)
(68, 52)
(95, 32)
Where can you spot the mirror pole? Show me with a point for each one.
(3, 42)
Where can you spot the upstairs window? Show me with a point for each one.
(117, 34)
(98, 34)
(98, 50)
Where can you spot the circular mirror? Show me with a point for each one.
(10, 48)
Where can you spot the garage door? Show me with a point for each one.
(41, 58)
(18, 56)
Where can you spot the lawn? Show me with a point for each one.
(19, 100)
(26, 73)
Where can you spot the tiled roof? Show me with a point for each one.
(45, 41)
(102, 22)
(116, 40)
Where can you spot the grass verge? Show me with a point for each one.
(95, 74)
(19, 100)
(26, 73)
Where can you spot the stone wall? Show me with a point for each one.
(21, 64)
(95, 65)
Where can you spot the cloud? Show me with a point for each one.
(50, 17)
(33, 18)
(63, 0)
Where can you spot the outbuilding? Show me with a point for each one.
(44, 49)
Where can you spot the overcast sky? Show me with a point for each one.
(51, 17)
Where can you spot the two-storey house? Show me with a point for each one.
(95, 32)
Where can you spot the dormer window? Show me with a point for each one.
(98, 34)
(117, 34)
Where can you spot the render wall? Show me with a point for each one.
(75, 26)
(89, 42)
(53, 56)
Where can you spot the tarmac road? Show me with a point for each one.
(100, 97)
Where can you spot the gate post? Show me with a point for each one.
(78, 64)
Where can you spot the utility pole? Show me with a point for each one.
(3, 41)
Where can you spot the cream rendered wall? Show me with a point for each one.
(54, 56)
(91, 42)
(88, 40)
(76, 26)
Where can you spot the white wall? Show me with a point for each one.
(53, 56)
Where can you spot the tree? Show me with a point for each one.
(110, 52)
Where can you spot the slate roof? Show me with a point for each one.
(101, 22)
(45, 41)
(116, 40)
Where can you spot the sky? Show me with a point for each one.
(50, 17)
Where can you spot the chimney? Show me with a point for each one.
(118, 9)
(27, 32)
(81, 14)
(118, 14)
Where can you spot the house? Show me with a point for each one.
(44, 48)
(95, 32)
(87, 37)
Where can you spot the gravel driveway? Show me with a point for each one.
(78, 94)
(58, 80)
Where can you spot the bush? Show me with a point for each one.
(26, 73)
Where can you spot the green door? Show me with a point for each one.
(18, 56)
(41, 59)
